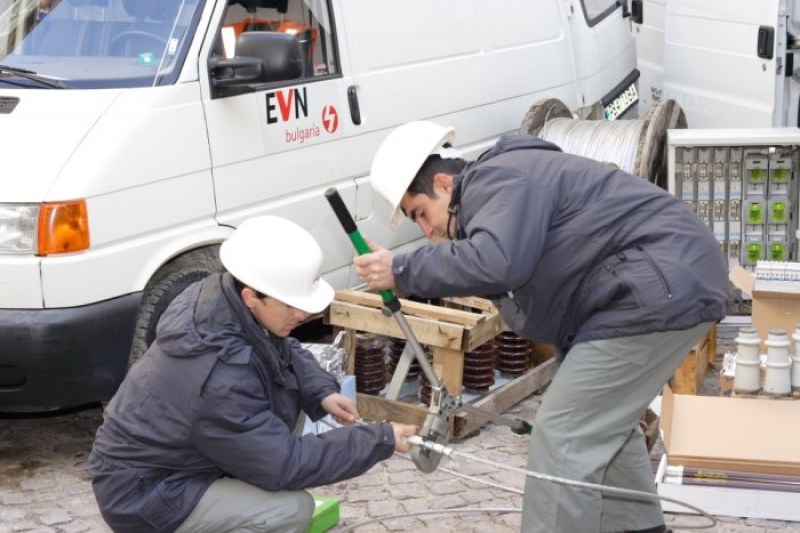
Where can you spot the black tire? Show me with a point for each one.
(163, 287)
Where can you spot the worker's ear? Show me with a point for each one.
(443, 181)
(249, 297)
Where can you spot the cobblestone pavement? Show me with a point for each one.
(44, 486)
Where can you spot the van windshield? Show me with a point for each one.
(94, 43)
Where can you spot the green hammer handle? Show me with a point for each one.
(349, 225)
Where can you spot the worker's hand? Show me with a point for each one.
(401, 434)
(375, 268)
(341, 408)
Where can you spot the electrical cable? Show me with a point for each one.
(442, 511)
(602, 140)
(416, 440)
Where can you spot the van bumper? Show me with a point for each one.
(59, 358)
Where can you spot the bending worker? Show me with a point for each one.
(199, 436)
(615, 272)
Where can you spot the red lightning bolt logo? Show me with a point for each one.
(330, 118)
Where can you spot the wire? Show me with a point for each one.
(606, 489)
(416, 440)
(442, 511)
(602, 140)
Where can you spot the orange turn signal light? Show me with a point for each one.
(63, 227)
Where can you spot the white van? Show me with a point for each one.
(728, 63)
(135, 134)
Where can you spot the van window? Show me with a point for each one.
(596, 10)
(309, 21)
(94, 43)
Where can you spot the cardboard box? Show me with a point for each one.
(743, 434)
(724, 501)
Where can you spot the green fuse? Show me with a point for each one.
(780, 174)
(777, 251)
(779, 212)
(757, 175)
(753, 252)
(755, 213)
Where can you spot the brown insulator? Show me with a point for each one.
(479, 364)
(513, 353)
(425, 385)
(396, 347)
(370, 364)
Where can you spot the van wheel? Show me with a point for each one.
(163, 287)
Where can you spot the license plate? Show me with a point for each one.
(622, 103)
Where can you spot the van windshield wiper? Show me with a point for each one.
(33, 76)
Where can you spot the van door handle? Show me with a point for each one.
(766, 42)
(637, 11)
(355, 110)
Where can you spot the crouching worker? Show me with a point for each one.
(200, 435)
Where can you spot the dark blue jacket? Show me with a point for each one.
(216, 396)
(571, 250)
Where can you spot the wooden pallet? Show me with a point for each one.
(456, 326)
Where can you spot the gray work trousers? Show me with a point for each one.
(232, 505)
(587, 429)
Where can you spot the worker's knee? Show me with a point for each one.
(294, 513)
(233, 505)
(304, 508)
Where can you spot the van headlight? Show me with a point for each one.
(50, 228)
(18, 225)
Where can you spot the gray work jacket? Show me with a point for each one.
(571, 250)
(215, 396)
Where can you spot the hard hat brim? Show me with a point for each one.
(318, 299)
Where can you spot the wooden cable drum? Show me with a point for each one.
(635, 146)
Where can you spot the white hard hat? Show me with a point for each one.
(400, 157)
(277, 257)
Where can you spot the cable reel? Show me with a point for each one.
(635, 146)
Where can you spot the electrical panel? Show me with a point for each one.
(744, 184)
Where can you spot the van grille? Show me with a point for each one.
(7, 104)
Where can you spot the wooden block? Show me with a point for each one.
(450, 366)
(372, 320)
(542, 352)
(377, 408)
(689, 376)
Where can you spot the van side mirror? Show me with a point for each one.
(261, 57)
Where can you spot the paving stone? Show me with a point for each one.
(52, 517)
(403, 524)
(10, 516)
(398, 478)
(16, 498)
(31, 527)
(446, 487)
(417, 505)
(36, 484)
(365, 495)
(382, 508)
(406, 491)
